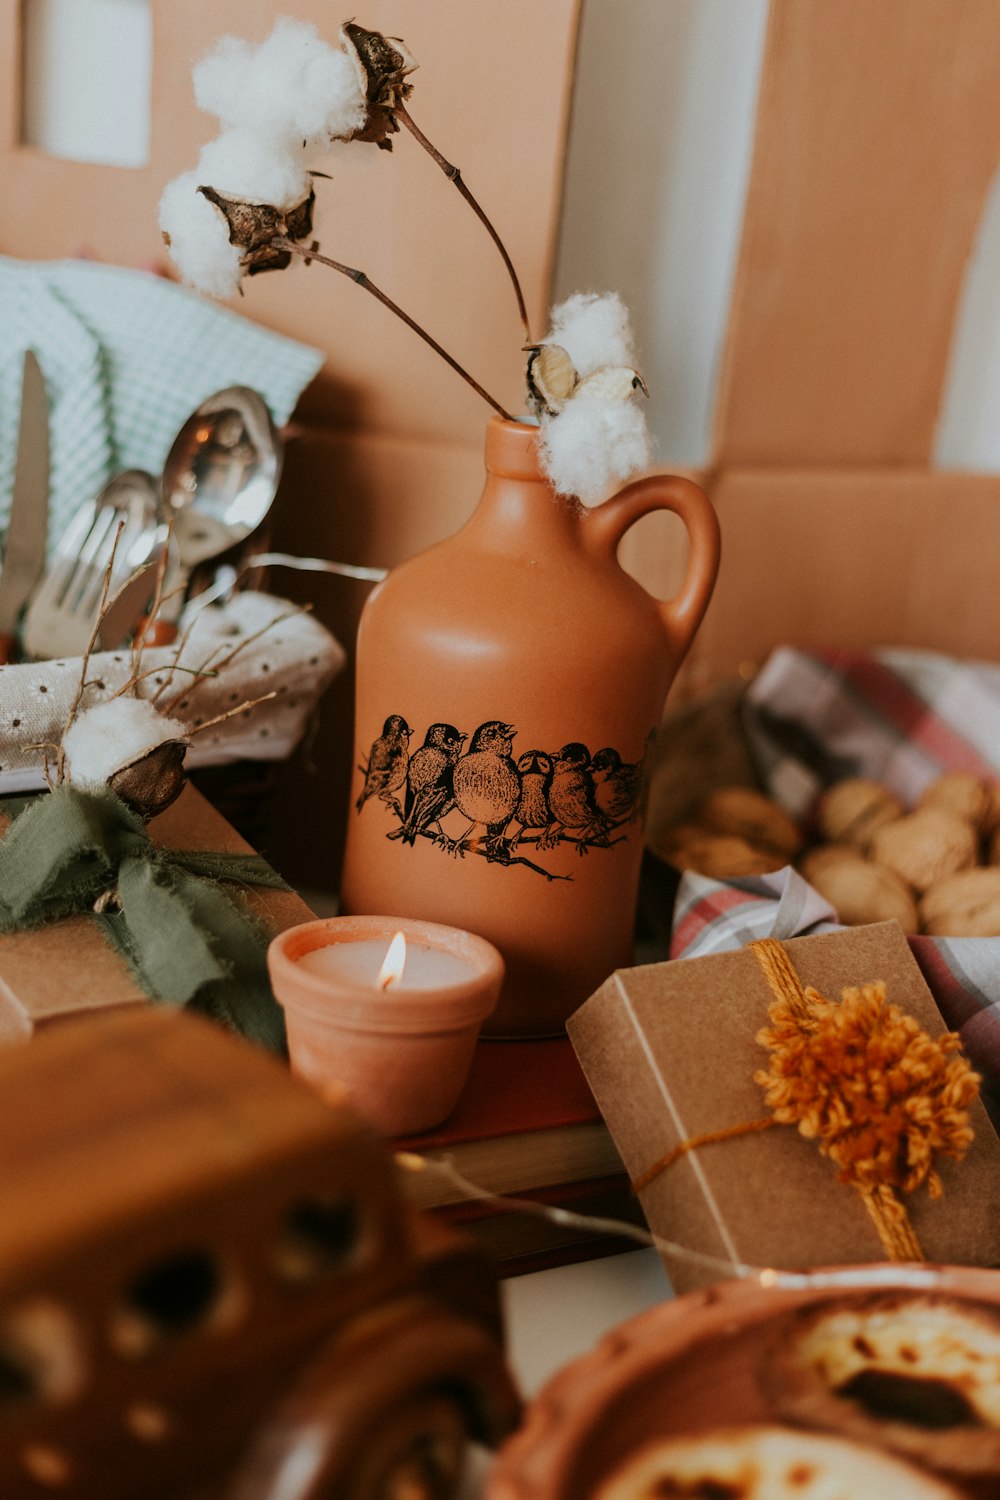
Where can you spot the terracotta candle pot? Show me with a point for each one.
(400, 1047)
(509, 684)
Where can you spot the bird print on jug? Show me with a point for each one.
(482, 801)
(530, 668)
(430, 792)
(386, 766)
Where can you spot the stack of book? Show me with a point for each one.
(526, 1127)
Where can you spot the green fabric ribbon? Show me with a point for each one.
(187, 941)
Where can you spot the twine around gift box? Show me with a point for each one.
(860, 1077)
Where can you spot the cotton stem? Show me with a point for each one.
(454, 175)
(363, 281)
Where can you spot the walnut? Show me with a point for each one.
(722, 856)
(851, 811)
(824, 855)
(925, 846)
(991, 822)
(860, 891)
(964, 905)
(961, 793)
(740, 811)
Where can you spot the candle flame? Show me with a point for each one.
(392, 969)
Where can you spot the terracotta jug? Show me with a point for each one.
(509, 684)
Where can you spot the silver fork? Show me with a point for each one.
(63, 609)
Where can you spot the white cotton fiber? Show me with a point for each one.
(598, 439)
(593, 445)
(240, 164)
(115, 734)
(199, 238)
(594, 330)
(294, 86)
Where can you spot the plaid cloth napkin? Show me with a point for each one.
(127, 356)
(901, 717)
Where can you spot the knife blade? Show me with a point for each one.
(24, 549)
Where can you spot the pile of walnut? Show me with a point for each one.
(935, 869)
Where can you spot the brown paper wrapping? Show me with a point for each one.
(68, 966)
(670, 1052)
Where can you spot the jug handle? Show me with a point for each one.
(606, 524)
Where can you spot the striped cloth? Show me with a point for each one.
(899, 716)
(127, 356)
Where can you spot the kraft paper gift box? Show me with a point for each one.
(67, 966)
(670, 1051)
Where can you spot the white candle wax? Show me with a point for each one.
(358, 963)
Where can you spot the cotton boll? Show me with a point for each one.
(294, 86)
(199, 238)
(240, 164)
(594, 330)
(593, 445)
(113, 735)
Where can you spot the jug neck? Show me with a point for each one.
(519, 508)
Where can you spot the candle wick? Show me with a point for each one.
(388, 981)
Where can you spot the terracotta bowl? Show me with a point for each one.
(402, 1056)
(685, 1367)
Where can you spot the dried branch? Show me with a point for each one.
(213, 668)
(360, 279)
(139, 640)
(134, 680)
(231, 713)
(454, 175)
(88, 652)
(210, 667)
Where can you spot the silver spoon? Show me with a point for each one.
(221, 475)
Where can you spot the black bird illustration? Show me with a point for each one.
(429, 791)
(617, 785)
(486, 785)
(385, 772)
(572, 801)
(533, 812)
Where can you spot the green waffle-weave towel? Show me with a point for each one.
(127, 356)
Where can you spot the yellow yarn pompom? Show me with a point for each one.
(879, 1096)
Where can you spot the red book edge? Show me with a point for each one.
(512, 1087)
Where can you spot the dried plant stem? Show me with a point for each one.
(230, 713)
(180, 646)
(213, 664)
(134, 682)
(454, 174)
(88, 653)
(139, 640)
(363, 281)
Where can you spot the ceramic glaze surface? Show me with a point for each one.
(509, 682)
